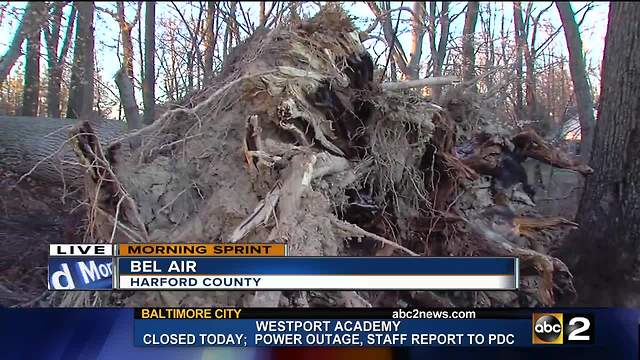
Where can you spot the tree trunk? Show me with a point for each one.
(56, 62)
(35, 14)
(80, 104)
(128, 99)
(530, 55)
(127, 43)
(577, 66)
(439, 48)
(42, 145)
(605, 254)
(531, 105)
(418, 31)
(126, 86)
(52, 39)
(294, 12)
(140, 45)
(190, 65)
(234, 31)
(468, 50)
(149, 84)
(262, 16)
(210, 40)
(31, 94)
(488, 28)
(519, 29)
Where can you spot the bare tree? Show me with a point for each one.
(409, 68)
(140, 4)
(125, 33)
(520, 45)
(211, 36)
(468, 49)
(418, 32)
(35, 14)
(489, 50)
(55, 62)
(232, 32)
(530, 55)
(194, 59)
(81, 96)
(579, 76)
(149, 83)
(31, 94)
(124, 77)
(438, 47)
(262, 14)
(171, 61)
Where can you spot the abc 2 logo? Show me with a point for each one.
(558, 328)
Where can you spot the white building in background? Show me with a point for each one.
(571, 129)
(570, 132)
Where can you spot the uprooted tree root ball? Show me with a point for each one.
(296, 142)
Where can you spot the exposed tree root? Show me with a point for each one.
(296, 143)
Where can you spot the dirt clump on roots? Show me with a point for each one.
(295, 142)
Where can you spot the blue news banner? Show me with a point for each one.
(332, 332)
(122, 333)
(258, 327)
(269, 273)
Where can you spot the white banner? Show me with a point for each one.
(317, 282)
(81, 250)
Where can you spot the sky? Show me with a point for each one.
(593, 29)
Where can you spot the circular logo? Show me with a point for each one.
(548, 328)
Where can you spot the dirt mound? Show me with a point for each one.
(33, 214)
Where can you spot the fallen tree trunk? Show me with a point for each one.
(39, 146)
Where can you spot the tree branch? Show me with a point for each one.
(400, 85)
